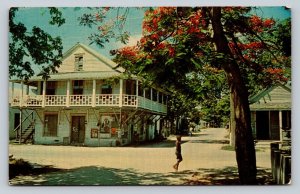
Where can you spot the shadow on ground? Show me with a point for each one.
(162, 144)
(226, 176)
(93, 175)
(211, 141)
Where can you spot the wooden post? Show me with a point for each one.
(94, 94)
(280, 125)
(144, 95)
(12, 92)
(68, 94)
(21, 96)
(44, 93)
(151, 98)
(121, 93)
(157, 102)
(27, 89)
(20, 129)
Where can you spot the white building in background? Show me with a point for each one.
(87, 102)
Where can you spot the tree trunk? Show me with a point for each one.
(244, 144)
(232, 125)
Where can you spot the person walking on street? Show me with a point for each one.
(178, 152)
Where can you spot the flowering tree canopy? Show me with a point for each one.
(198, 49)
(181, 44)
(181, 40)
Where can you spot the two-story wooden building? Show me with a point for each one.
(88, 102)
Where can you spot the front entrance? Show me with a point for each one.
(78, 129)
(267, 125)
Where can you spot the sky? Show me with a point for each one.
(71, 32)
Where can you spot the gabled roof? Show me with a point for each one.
(102, 58)
(273, 98)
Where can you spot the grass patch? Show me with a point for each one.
(228, 148)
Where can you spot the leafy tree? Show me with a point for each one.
(29, 47)
(177, 41)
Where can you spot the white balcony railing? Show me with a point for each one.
(80, 100)
(87, 100)
(107, 100)
(55, 100)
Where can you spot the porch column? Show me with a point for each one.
(27, 89)
(94, 94)
(280, 125)
(44, 93)
(21, 96)
(21, 125)
(137, 93)
(157, 102)
(68, 94)
(12, 92)
(121, 93)
(144, 100)
(151, 98)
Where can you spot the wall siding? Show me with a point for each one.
(90, 62)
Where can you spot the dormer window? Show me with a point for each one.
(78, 62)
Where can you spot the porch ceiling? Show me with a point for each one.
(75, 76)
(270, 106)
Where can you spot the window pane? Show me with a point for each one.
(106, 89)
(78, 63)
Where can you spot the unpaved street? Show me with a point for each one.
(140, 165)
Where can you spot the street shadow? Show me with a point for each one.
(96, 176)
(198, 135)
(210, 141)
(101, 176)
(162, 144)
(226, 176)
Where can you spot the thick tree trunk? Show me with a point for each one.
(244, 144)
(232, 124)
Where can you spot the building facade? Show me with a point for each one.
(88, 102)
(271, 113)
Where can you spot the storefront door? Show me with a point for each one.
(78, 129)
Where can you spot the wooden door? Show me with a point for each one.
(262, 125)
(78, 129)
(274, 125)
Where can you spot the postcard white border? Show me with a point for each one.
(5, 4)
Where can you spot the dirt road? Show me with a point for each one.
(141, 165)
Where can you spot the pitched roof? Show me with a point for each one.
(102, 58)
(273, 98)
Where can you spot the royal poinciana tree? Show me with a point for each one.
(178, 41)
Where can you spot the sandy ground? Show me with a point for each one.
(201, 151)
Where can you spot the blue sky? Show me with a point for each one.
(71, 32)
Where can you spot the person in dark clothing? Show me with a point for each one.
(178, 153)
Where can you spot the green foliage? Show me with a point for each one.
(28, 47)
(106, 27)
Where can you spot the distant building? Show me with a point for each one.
(271, 113)
(87, 102)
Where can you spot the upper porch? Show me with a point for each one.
(87, 92)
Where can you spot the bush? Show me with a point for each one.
(18, 167)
